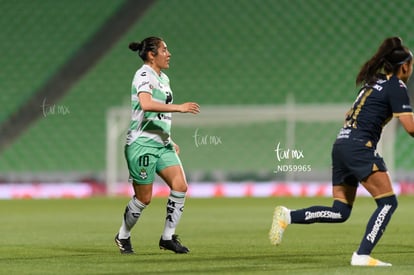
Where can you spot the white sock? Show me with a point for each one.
(175, 207)
(131, 215)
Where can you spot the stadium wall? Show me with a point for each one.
(77, 190)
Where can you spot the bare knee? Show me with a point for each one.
(143, 193)
(180, 187)
(145, 201)
(174, 177)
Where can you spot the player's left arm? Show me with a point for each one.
(401, 107)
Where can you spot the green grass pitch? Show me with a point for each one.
(225, 236)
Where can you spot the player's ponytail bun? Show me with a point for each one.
(135, 46)
(149, 44)
(398, 54)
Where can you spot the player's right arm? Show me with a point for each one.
(147, 104)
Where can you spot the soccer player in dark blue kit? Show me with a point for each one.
(382, 96)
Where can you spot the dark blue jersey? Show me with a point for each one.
(374, 107)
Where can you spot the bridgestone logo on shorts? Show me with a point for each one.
(378, 223)
(322, 214)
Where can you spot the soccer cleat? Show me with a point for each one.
(173, 245)
(366, 260)
(281, 220)
(124, 245)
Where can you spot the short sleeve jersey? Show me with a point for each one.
(150, 128)
(374, 107)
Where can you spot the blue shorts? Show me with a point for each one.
(353, 162)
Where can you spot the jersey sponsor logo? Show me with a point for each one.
(143, 73)
(408, 107)
(162, 116)
(142, 84)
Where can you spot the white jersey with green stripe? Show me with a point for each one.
(150, 128)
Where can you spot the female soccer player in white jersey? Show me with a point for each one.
(149, 148)
(383, 95)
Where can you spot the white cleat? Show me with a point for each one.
(281, 219)
(366, 260)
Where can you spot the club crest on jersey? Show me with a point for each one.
(143, 174)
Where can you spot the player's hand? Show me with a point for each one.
(190, 107)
